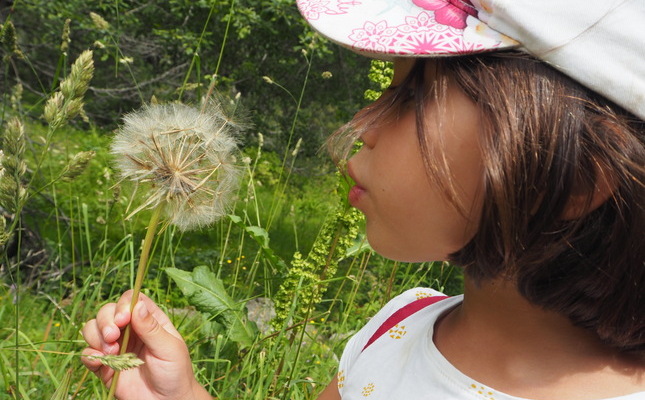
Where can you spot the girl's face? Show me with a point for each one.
(409, 217)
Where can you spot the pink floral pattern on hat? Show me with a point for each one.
(449, 12)
(403, 27)
(419, 34)
(313, 9)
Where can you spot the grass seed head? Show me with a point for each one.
(119, 362)
(78, 81)
(187, 158)
(65, 38)
(77, 165)
(99, 21)
(9, 41)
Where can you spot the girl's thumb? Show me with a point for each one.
(159, 341)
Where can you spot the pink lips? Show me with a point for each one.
(357, 191)
(355, 194)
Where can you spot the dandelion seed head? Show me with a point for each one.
(187, 157)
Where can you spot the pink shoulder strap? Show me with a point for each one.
(401, 314)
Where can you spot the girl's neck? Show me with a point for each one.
(511, 318)
(500, 339)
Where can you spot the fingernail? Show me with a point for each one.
(110, 348)
(119, 316)
(106, 332)
(143, 311)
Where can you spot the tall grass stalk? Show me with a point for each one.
(141, 270)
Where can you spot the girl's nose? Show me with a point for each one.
(369, 137)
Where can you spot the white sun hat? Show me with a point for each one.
(599, 43)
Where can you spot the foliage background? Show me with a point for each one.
(72, 251)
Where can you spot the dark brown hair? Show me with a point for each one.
(547, 140)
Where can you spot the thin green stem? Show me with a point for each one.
(211, 87)
(141, 270)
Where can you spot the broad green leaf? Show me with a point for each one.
(204, 290)
(243, 331)
(207, 293)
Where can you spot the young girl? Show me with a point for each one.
(521, 159)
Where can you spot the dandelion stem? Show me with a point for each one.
(141, 269)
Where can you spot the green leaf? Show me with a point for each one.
(207, 293)
(243, 331)
(261, 236)
(204, 290)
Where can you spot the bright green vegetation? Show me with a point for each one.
(290, 240)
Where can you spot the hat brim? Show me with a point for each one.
(410, 28)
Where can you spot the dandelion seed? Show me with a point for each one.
(186, 156)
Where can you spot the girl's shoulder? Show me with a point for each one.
(399, 302)
(411, 295)
(358, 342)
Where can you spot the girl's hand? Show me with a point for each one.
(167, 372)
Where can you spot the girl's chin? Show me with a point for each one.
(397, 253)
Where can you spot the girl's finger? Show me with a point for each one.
(109, 330)
(122, 310)
(158, 314)
(103, 372)
(92, 334)
(91, 363)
